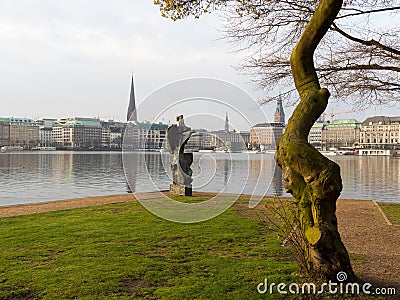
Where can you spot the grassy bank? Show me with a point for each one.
(121, 251)
(392, 211)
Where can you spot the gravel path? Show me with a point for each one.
(374, 246)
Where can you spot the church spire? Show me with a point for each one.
(226, 122)
(132, 114)
(279, 116)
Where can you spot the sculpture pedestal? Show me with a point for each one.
(179, 190)
(181, 174)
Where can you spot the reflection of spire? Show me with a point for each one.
(279, 116)
(132, 162)
(226, 122)
(226, 172)
(132, 114)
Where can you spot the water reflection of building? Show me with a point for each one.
(148, 168)
(13, 164)
(131, 165)
(263, 169)
(227, 164)
(62, 167)
(277, 182)
(367, 177)
(154, 163)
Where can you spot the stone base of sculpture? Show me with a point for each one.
(181, 174)
(179, 190)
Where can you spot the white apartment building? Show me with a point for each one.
(264, 136)
(380, 132)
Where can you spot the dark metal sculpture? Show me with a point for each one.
(177, 137)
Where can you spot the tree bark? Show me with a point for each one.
(312, 179)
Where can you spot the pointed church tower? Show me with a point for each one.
(226, 122)
(132, 114)
(279, 116)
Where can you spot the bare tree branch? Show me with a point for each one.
(360, 12)
(364, 42)
(361, 67)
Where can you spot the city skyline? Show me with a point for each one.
(72, 58)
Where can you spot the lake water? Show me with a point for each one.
(29, 177)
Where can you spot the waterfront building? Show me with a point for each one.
(4, 132)
(117, 130)
(46, 136)
(264, 136)
(58, 133)
(230, 141)
(23, 132)
(145, 135)
(112, 134)
(78, 133)
(105, 134)
(341, 134)
(156, 135)
(315, 135)
(201, 139)
(226, 140)
(46, 132)
(45, 122)
(245, 138)
(116, 136)
(380, 132)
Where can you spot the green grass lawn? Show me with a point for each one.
(392, 211)
(121, 251)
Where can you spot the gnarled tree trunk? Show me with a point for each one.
(312, 179)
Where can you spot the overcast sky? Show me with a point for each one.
(75, 57)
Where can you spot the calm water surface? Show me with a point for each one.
(29, 177)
